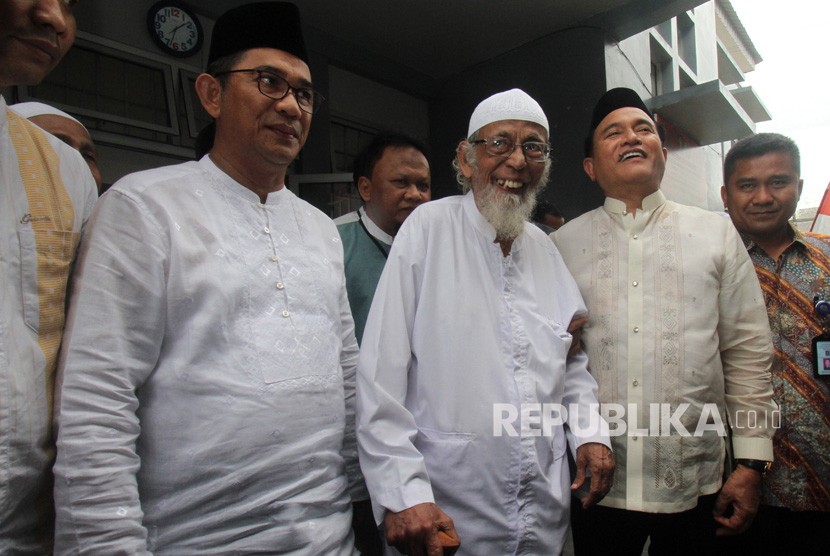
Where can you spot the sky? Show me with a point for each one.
(793, 80)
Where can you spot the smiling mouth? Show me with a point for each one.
(632, 154)
(286, 131)
(510, 184)
(49, 47)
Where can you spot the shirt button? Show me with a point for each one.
(635, 236)
(634, 283)
(286, 314)
(636, 329)
(274, 259)
(636, 382)
(266, 229)
(280, 285)
(625, 212)
(634, 438)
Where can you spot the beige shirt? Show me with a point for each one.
(676, 317)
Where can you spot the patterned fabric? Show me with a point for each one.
(46, 194)
(800, 478)
(677, 320)
(208, 374)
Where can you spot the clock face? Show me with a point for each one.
(174, 28)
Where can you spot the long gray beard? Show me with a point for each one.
(505, 212)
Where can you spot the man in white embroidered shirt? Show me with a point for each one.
(465, 353)
(679, 344)
(209, 345)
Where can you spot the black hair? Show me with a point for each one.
(364, 162)
(759, 145)
(543, 208)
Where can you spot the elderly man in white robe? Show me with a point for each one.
(465, 383)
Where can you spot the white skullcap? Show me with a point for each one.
(514, 104)
(31, 109)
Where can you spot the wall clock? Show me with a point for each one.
(175, 28)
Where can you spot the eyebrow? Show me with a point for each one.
(533, 137)
(638, 121)
(303, 82)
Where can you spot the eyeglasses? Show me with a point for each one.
(534, 151)
(276, 87)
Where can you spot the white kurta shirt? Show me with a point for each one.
(36, 251)
(676, 317)
(456, 328)
(207, 347)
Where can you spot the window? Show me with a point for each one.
(117, 87)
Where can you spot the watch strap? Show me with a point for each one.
(758, 465)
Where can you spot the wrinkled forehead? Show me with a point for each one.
(519, 129)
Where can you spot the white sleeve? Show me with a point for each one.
(746, 352)
(114, 334)
(394, 468)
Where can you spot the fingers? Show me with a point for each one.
(721, 505)
(579, 480)
(599, 459)
(422, 530)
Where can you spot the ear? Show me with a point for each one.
(461, 155)
(588, 166)
(210, 93)
(364, 188)
(723, 195)
(800, 187)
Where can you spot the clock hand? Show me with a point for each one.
(176, 30)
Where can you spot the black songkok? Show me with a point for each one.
(258, 25)
(621, 97)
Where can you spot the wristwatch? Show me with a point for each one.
(758, 465)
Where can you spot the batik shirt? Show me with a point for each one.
(800, 478)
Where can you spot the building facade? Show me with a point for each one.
(422, 68)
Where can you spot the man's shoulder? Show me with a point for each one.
(437, 210)
(348, 218)
(818, 241)
(77, 179)
(143, 180)
(575, 226)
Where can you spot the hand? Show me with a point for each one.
(415, 530)
(575, 330)
(599, 459)
(742, 492)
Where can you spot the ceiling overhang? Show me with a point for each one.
(708, 113)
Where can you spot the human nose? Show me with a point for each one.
(289, 104)
(52, 13)
(516, 158)
(762, 195)
(630, 136)
(412, 192)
